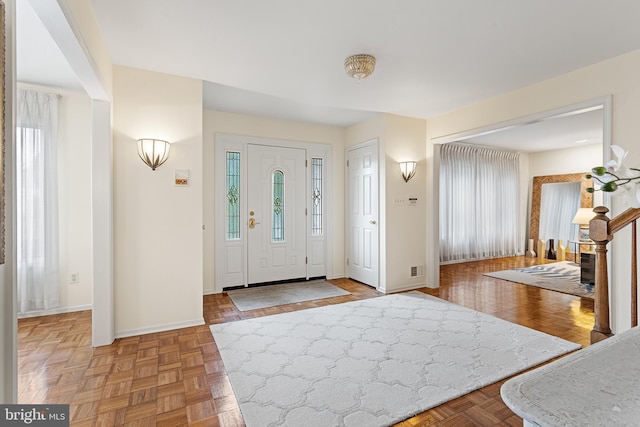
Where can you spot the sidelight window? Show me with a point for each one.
(233, 196)
(316, 197)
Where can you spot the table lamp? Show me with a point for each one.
(582, 218)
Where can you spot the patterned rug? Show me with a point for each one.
(560, 276)
(372, 362)
(287, 293)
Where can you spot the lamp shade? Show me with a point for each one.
(153, 152)
(583, 216)
(408, 170)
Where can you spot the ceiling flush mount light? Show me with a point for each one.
(153, 152)
(408, 170)
(359, 66)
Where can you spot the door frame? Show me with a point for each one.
(381, 285)
(239, 143)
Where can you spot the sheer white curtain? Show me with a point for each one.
(37, 200)
(559, 203)
(479, 203)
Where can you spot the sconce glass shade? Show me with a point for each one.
(153, 152)
(408, 170)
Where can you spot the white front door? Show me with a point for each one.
(362, 240)
(276, 235)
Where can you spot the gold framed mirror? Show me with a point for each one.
(586, 198)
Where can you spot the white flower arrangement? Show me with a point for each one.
(615, 177)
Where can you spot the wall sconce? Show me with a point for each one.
(408, 170)
(153, 152)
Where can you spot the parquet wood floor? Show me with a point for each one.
(176, 378)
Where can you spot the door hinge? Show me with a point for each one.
(306, 260)
(347, 261)
(305, 212)
(347, 163)
(306, 163)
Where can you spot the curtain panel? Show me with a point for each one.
(479, 203)
(37, 201)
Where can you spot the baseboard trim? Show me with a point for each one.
(404, 288)
(159, 328)
(57, 310)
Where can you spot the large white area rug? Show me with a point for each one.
(560, 276)
(372, 362)
(287, 293)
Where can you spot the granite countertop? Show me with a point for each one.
(596, 386)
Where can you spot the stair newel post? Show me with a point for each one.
(599, 233)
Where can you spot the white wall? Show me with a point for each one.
(238, 124)
(619, 77)
(405, 140)
(158, 226)
(74, 199)
(568, 160)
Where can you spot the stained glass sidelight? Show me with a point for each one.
(233, 196)
(277, 224)
(316, 194)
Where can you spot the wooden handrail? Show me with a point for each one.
(601, 231)
(622, 220)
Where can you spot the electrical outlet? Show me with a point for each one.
(75, 278)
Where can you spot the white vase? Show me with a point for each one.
(530, 251)
(541, 247)
(561, 252)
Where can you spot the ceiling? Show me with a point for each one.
(284, 58)
(570, 130)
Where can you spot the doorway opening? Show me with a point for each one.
(592, 117)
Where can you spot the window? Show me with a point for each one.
(277, 224)
(316, 197)
(37, 224)
(232, 220)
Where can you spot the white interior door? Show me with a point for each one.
(362, 238)
(276, 234)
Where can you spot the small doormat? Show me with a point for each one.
(288, 293)
(559, 276)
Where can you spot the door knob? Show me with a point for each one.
(252, 222)
(373, 221)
